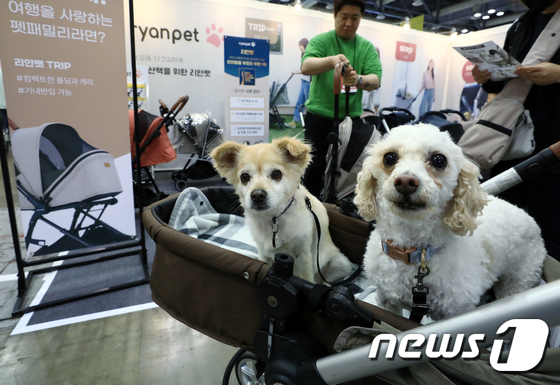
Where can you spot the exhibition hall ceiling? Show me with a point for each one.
(440, 16)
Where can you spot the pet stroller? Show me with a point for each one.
(278, 95)
(57, 170)
(155, 148)
(291, 329)
(297, 332)
(196, 135)
(395, 116)
(446, 120)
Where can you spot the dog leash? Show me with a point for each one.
(352, 276)
(420, 291)
(276, 227)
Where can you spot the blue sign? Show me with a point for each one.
(246, 58)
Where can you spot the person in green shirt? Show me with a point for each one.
(323, 53)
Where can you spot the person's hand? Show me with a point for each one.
(479, 76)
(339, 59)
(296, 72)
(350, 77)
(542, 74)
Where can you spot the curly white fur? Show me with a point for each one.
(485, 242)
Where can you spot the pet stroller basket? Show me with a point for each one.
(262, 309)
(155, 148)
(445, 120)
(278, 95)
(197, 135)
(57, 170)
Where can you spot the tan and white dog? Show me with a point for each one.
(266, 177)
(425, 195)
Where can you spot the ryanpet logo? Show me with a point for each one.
(526, 351)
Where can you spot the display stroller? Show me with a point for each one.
(57, 170)
(278, 95)
(291, 331)
(446, 120)
(196, 135)
(155, 148)
(348, 142)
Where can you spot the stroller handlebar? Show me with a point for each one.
(337, 81)
(555, 148)
(180, 103)
(163, 107)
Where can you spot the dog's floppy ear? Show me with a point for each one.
(365, 193)
(295, 151)
(468, 201)
(225, 157)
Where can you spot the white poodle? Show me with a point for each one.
(424, 194)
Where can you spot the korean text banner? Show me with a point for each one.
(246, 64)
(64, 72)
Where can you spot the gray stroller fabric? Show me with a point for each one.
(346, 182)
(452, 372)
(458, 371)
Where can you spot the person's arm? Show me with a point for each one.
(423, 84)
(369, 82)
(541, 74)
(483, 78)
(318, 65)
(12, 124)
(371, 70)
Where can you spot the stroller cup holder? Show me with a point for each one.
(287, 352)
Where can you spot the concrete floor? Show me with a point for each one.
(145, 347)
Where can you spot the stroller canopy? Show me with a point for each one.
(159, 149)
(56, 167)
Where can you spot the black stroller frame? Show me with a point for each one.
(274, 114)
(118, 250)
(82, 208)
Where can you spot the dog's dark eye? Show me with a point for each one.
(245, 178)
(438, 161)
(390, 159)
(276, 175)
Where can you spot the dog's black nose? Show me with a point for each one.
(406, 184)
(258, 196)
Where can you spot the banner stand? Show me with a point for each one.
(125, 248)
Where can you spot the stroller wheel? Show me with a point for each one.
(181, 184)
(246, 371)
(245, 365)
(281, 126)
